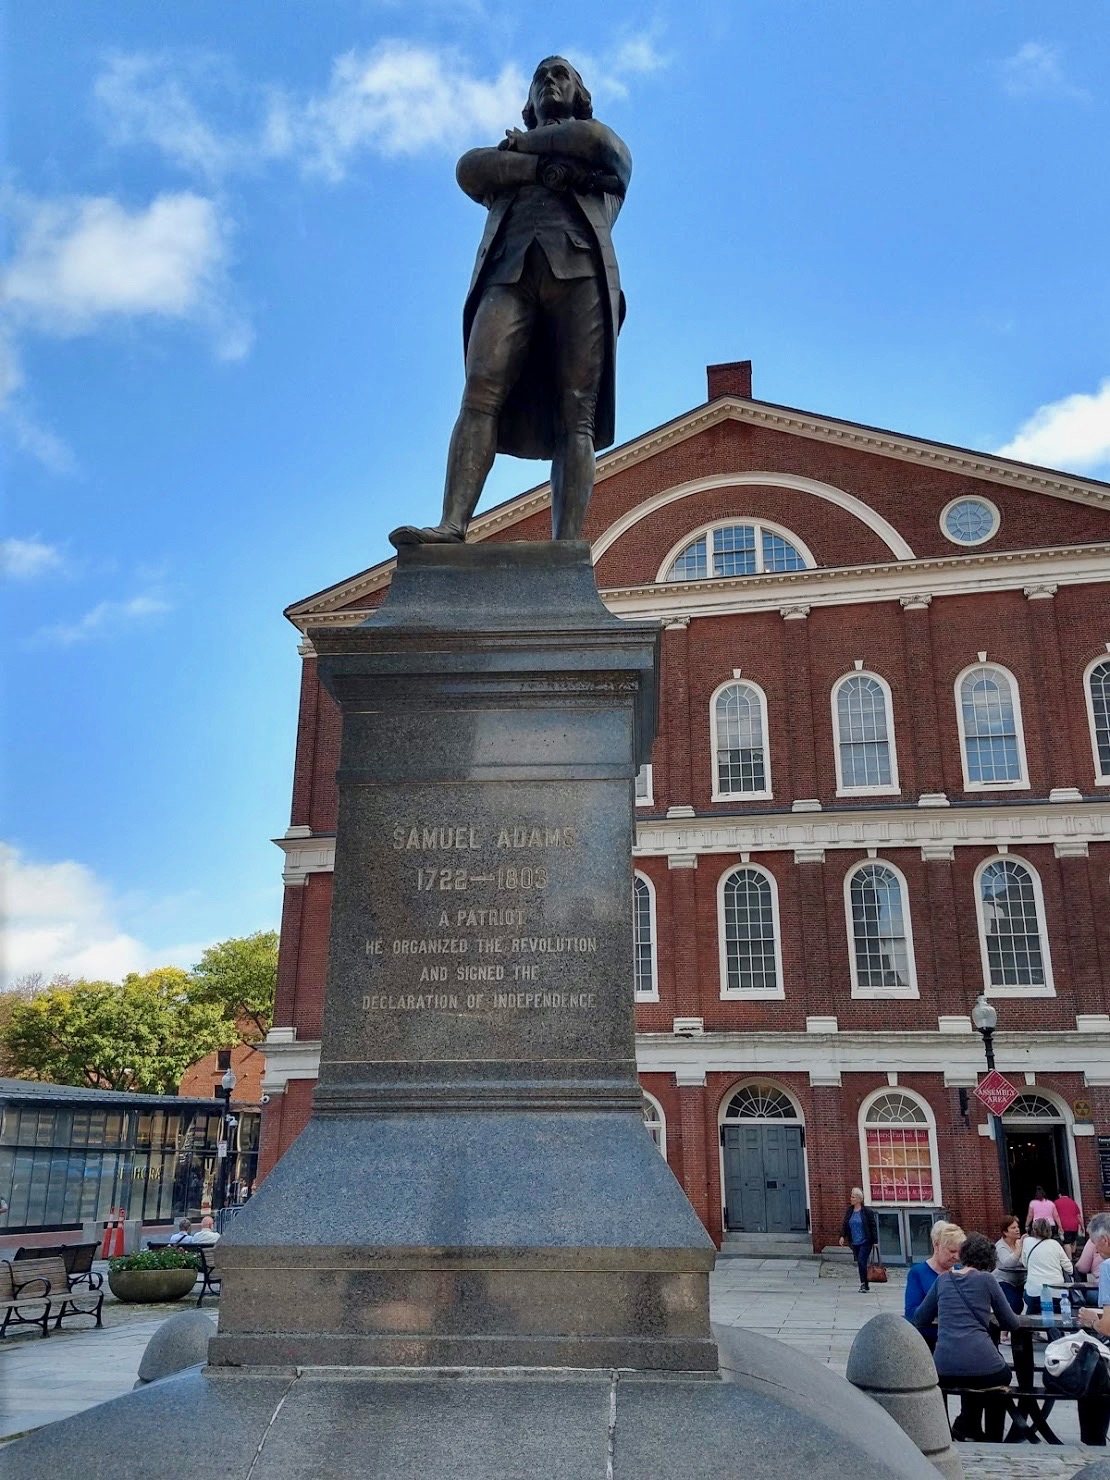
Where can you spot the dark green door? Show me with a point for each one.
(764, 1178)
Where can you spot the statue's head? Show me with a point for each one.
(557, 91)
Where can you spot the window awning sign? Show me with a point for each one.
(996, 1092)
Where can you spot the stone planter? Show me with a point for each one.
(150, 1286)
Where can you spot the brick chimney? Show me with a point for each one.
(733, 379)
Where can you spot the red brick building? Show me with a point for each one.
(879, 790)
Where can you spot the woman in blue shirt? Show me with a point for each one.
(946, 1240)
(860, 1228)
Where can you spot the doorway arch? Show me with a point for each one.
(764, 1175)
(1040, 1148)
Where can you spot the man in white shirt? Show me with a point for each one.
(205, 1235)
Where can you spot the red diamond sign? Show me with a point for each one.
(996, 1092)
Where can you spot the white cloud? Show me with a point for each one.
(396, 99)
(1071, 433)
(61, 919)
(103, 620)
(26, 431)
(22, 560)
(144, 102)
(82, 262)
(1036, 70)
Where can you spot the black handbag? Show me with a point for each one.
(1086, 1375)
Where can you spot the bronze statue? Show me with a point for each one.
(544, 308)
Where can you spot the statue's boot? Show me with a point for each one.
(437, 534)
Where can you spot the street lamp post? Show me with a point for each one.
(984, 1019)
(227, 1121)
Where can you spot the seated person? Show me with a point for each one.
(946, 1239)
(961, 1304)
(1010, 1271)
(184, 1229)
(1045, 1264)
(205, 1235)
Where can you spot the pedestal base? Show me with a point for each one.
(772, 1412)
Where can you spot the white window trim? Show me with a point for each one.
(880, 992)
(653, 995)
(740, 796)
(1022, 784)
(730, 994)
(970, 544)
(706, 530)
(798, 1118)
(649, 777)
(1101, 778)
(1049, 988)
(662, 1143)
(891, 788)
(931, 1126)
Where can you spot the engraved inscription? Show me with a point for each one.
(498, 954)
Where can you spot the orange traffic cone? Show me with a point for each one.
(117, 1248)
(106, 1242)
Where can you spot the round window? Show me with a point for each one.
(969, 521)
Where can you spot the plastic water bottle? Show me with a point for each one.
(1048, 1315)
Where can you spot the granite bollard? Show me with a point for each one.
(180, 1341)
(891, 1362)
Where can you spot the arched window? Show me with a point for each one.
(656, 1122)
(864, 726)
(880, 940)
(1098, 712)
(751, 963)
(899, 1147)
(1011, 926)
(643, 938)
(761, 1101)
(737, 550)
(739, 722)
(989, 715)
(1033, 1107)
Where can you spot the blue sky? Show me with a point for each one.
(236, 259)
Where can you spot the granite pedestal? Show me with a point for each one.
(473, 1262)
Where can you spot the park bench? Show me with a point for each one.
(64, 1300)
(24, 1299)
(1026, 1410)
(78, 1260)
(209, 1272)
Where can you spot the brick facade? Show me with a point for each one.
(1033, 598)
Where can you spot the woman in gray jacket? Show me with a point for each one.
(961, 1304)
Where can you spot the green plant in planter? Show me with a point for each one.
(153, 1259)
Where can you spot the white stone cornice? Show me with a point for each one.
(1072, 848)
(305, 648)
(796, 613)
(919, 602)
(809, 855)
(1040, 591)
(937, 852)
(873, 1053)
(287, 1059)
(682, 860)
(969, 572)
(902, 827)
(305, 853)
(678, 623)
(960, 1056)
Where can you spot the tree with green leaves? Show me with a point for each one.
(139, 1035)
(239, 976)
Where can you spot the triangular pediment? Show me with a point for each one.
(766, 414)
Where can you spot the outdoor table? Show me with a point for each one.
(1035, 1410)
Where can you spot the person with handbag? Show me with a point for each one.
(946, 1239)
(961, 1304)
(860, 1229)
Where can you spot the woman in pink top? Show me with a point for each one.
(1041, 1207)
(1089, 1262)
(1071, 1221)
